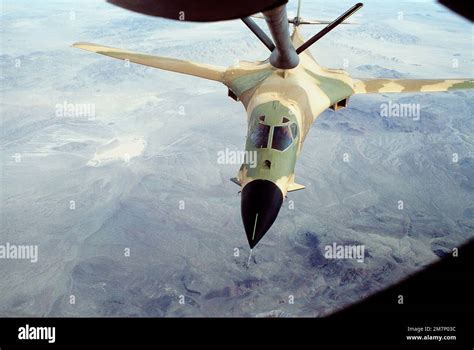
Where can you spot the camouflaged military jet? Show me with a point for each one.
(283, 95)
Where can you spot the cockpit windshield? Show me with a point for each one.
(259, 135)
(282, 135)
(281, 138)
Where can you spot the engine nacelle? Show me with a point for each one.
(340, 104)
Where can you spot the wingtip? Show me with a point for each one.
(80, 44)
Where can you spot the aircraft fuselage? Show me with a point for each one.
(281, 106)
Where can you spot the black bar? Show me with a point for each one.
(329, 27)
(259, 33)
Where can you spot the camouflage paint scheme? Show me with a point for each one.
(299, 94)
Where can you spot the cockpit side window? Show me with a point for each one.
(259, 136)
(281, 138)
(294, 130)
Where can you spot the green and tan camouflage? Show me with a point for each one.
(280, 104)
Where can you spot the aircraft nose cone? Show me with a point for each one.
(261, 202)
